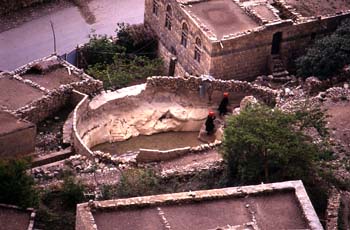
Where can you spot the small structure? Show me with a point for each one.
(284, 205)
(15, 218)
(239, 39)
(17, 136)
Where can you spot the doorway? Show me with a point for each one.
(276, 43)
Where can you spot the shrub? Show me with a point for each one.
(72, 192)
(119, 62)
(125, 70)
(261, 144)
(328, 55)
(16, 186)
(138, 182)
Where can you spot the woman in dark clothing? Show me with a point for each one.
(223, 105)
(209, 123)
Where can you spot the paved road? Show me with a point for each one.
(33, 39)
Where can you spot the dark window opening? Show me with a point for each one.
(155, 7)
(168, 16)
(184, 35)
(197, 50)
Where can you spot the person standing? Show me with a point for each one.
(209, 123)
(223, 105)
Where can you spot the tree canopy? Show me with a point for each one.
(328, 55)
(264, 145)
(16, 186)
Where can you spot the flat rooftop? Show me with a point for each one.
(14, 218)
(274, 206)
(9, 123)
(308, 8)
(52, 79)
(222, 17)
(15, 94)
(211, 214)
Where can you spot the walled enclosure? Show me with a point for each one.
(34, 99)
(54, 99)
(235, 55)
(85, 218)
(137, 110)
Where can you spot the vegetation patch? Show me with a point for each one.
(132, 57)
(328, 55)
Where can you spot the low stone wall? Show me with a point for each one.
(174, 84)
(53, 100)
(333, 210)
(78, 115)
(45, 106)
(109, 117)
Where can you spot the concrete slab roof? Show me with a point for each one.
(14, 218)
(15, 94)
(9, 123)
(222, 17)
(282, 205)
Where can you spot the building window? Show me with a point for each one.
(184, 35)
(155, 7)
(197, 50)
(168, 16)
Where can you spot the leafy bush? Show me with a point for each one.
(132, 56)
(99, 50)
(137, 39)
(328, 55)
(72, 192)
(261, 144)
(16, 186)
(138, 182)
(125, 70)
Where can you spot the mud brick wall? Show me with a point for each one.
(169, 39)
(19, 142)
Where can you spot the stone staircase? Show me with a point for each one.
(116, 131)
(277, 68)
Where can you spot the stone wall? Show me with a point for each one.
(333, 210)
(18, 143)
(172, 39)
(174, 84)
(55, 99)
(79, 114)
(45, 106)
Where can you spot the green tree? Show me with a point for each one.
(16, 186)
(72, 192)
(328, 55)
(126, 69)
(263, 144)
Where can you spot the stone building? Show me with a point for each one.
(239, 39)
(283, 205)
